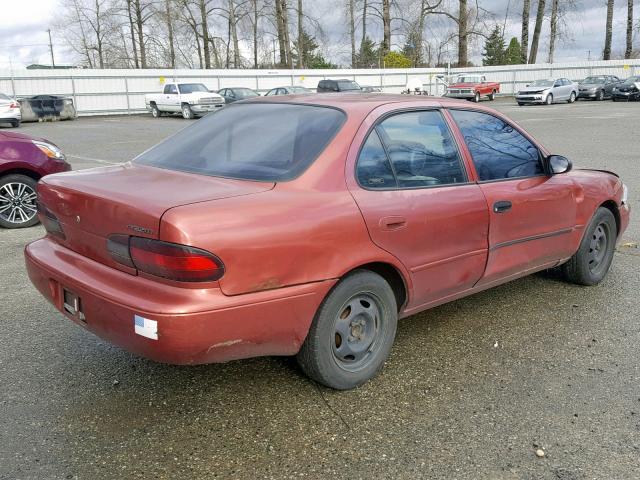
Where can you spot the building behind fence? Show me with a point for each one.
(98, 92)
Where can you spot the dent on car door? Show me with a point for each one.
(532, 214)
(413, 191)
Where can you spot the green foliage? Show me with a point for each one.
(412, 49)
(368, 57)
(311, 57)
(513, 53)
(494, 51)
(396, 60)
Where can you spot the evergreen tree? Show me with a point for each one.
(513, 53)
(494, 51)
(311, 57)
(368, 57)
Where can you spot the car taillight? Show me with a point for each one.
(164, 259)
(14, 105)
(50, 222)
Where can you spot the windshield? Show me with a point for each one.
(192, 87)
(245, 93)
(347, 85)
(250, 141)
(542, 83)
(589, 80)
(631, 80)
(468, 79)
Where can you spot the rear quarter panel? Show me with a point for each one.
(279, 238)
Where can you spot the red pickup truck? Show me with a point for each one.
(472, 87)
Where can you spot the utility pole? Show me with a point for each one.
(53, 61)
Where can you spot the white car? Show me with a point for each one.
(10, 111)
(190, 99)
(548, 91)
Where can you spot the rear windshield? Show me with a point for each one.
(245, 93)
(254, 141)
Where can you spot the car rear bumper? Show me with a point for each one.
(588, 94)
(9, 116)
(273, 322)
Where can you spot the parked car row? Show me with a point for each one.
(595, 87)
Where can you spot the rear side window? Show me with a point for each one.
(499, 151)
(418, 151)
(254, 141)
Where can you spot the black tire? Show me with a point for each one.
(476, 97)
(549, 99)
(15, 123)
(362, 306)
(590, 264)
(492, 96)
(572, 97)
(521, 103)
(187, 113)
(21, 212)
(155, 111)
(599, 95)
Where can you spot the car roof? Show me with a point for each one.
(364, 101)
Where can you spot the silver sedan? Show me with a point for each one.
(548, 91)
(9, 110)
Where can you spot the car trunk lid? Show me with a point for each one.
(128, 199)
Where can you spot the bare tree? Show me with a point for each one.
(606, 53)
(553, 33)
(386, 27)
(300, 35)
(536, 31)
(352, 33)
(524, 40)
(629, 46)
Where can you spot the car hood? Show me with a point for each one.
(589, 86)
(20, 137)
(463, 85)
(534, 89)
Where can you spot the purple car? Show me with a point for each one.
(23, 161)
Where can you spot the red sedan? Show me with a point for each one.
(23, 161)
(309, 224)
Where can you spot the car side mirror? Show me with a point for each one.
(558, 164)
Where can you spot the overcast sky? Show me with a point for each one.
(23, 30)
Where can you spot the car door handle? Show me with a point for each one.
(393, 223)
(501, 206)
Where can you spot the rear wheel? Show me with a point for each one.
(187, 112)
(155, 111)
(492, 95)
(15, 123)
(590, 264)
(572, 97)
(18, 201)
(352, 333)
(549, 99)
(521, 103)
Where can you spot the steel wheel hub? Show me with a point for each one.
(17, 202)
(356, 331)
(597, 247)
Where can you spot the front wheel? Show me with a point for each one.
(600, 95)
(18, 197)
(572, 97)
(187, 112)
(476, 97)
(352, 333)
(549, 99)
(590, 264)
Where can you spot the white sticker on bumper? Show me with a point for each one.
(145, 327)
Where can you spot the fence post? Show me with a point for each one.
(513, 88)
(73, 92)
(126, 89)
(257, 83)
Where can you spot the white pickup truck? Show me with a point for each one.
(190, 99)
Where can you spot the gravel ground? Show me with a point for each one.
(472, 389)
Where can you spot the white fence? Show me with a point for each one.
(98, 92)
